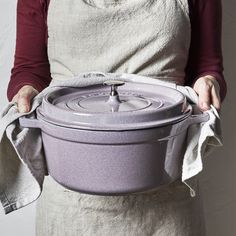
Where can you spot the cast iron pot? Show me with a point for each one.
(107, 141)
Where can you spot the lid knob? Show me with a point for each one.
(114, 84)
(114, 100)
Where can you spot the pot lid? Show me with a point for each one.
(114, 105)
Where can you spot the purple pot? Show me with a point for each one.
(101, 141)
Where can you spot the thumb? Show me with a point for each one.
(204, 100)
(24, 99)
(24, 103)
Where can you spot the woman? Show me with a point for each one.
(176, 40)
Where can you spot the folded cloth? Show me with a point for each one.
(22, 161)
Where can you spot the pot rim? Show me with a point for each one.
(114, 127)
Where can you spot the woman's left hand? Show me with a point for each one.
(208, 90)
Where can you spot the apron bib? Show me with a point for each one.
(150, 38)
(146, 37)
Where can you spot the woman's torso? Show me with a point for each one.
(144, 37)
(150, 38)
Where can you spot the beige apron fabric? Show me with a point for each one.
(126, 36)
(167, 212)
(147, 37)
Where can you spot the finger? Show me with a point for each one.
(24, 100)
(15, 98)
(29, 90)
(215, 97)
(23, 103)
(25, 95)
(204, 99)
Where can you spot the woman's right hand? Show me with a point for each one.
(23, 98)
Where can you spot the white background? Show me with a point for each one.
(219, 175)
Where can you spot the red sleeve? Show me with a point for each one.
(31, 66)
(205, 54)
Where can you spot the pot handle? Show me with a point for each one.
(185, 124)
(199, 118)
(29, 122)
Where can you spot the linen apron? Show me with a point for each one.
(147, 37)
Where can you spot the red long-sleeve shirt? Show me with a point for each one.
(31, 65)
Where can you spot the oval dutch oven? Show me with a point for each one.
(114, 138)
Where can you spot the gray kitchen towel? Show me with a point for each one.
(22, 161)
